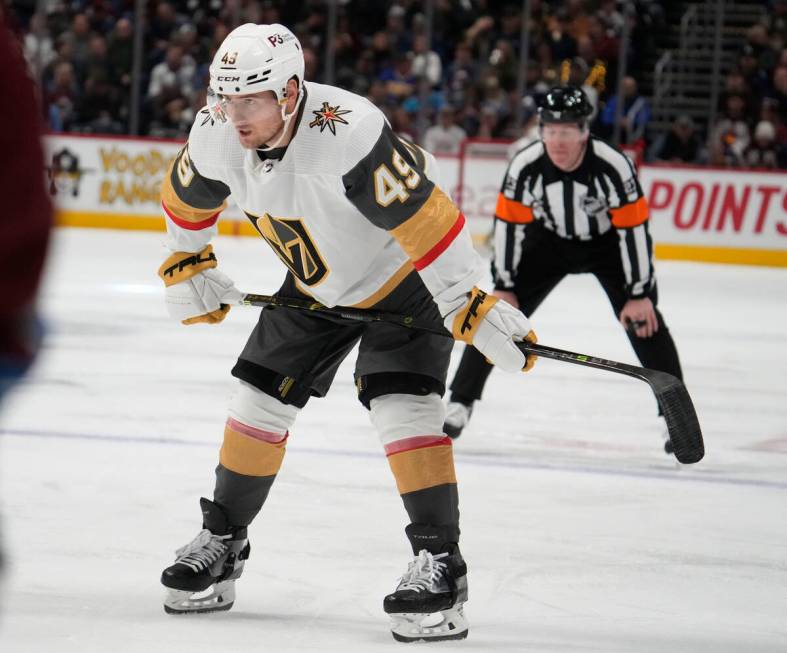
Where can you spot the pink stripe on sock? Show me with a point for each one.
(253, 432)
(416, 442)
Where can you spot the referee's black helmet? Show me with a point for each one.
(565, 104)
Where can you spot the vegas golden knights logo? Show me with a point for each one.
(292, 243)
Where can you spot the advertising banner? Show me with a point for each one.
(115, 182)
(701, 214)
(718, 215)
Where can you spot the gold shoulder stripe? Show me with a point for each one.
(427, 227)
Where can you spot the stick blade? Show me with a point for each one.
(682, 423)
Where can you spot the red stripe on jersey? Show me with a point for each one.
(416, 442)
(191, 226)
(442, 245)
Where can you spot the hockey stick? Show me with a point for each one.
(673, 398)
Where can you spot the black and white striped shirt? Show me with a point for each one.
(603, 193)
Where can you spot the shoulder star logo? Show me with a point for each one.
(328, 116)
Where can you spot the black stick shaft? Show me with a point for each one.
(674, 400)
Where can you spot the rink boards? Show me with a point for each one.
(697, 213)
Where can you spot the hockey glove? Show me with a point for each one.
(196, 292)
(492, 326)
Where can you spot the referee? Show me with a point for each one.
(571, 204)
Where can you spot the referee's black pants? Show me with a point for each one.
(546, 259)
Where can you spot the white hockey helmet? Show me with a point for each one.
(256, 58)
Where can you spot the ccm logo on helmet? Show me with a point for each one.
(226, 78)
(278, 39)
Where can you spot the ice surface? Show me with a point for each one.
(580, 534)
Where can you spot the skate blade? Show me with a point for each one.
(434, 627)
(216, 598)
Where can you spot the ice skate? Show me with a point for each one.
(457, 415)
(202, 579)
(427, 605)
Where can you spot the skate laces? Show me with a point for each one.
(424, 573)
(202, 551)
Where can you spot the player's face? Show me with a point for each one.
(256, 118)
(565, 144)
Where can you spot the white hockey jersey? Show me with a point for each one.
(350, 208)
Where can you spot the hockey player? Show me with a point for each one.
(571, 204)
(27, 216)
(359, 219)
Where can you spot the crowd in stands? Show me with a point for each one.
(752, 128)
(465, 76)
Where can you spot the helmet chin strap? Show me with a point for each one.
(286, 119)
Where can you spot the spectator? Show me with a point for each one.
(681, 144)
(377, 94)
(549, 72)
(402, 125)
(610, 18)
(735, 84)
(79, 37)
(359, 78)
(446, 136)
(530, 127)
(186, 36)
(398, 35)
(348, 46)
(777, 20)
(758, 39)
(579, 18)
(578, 72)
(460, 74)
(778, 92)
(310, 64)
(490, 123)
(381, 51)
(562, 44)
(481, 27)
(176, 72)
(98, 109)
(38, 46)
(730, 136)
(425, 62)
(605, 42)
(97, 66)
(756, 77)
(635, 114)
(400, 82)
(120, 54)
(174, 119)
(769, 112)
(763, 151)
(162, 26)
(504, 63)
(61, 98)
(510, 24)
